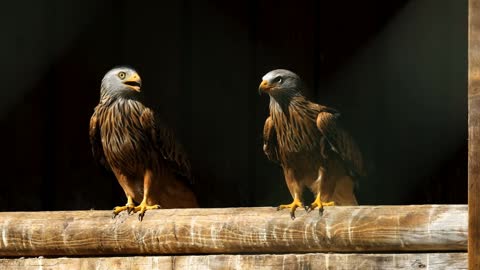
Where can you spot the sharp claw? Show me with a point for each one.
(278, 208)
(292, 215)
(140, 217)
(320, 211)
(114, 214)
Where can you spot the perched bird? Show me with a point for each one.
(129, 138)
(308, 142)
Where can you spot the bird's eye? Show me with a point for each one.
(122, 75)
(278, 79)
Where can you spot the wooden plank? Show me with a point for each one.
(264, 261)
(474, 134)
(235, 230)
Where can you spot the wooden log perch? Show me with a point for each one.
(264, 261)
(235, 230)
(474, 133)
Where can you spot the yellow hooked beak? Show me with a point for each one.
(134, 82)
(265, 86)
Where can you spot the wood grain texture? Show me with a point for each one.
(235, 230)
(282, 261)
(474, 134)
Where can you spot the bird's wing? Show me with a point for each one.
(167, 145)
(270, 145)
(340, 142)
(96, 141)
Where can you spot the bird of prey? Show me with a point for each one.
(307, 140)
(130, 140)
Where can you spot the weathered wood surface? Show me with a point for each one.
(474, 134)
(235, 230)
(264, 261)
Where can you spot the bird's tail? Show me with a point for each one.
(344, 192)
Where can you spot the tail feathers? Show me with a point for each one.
(344, 192)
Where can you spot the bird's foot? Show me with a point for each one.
(319, 204)
(142, 208)
(129, 207)
(293, 206)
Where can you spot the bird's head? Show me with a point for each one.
(121, 81)
(280, 82)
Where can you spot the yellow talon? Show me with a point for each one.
(293, 206)
(142, 208)
(318, 203)
(129, 207)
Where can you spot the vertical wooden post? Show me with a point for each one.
(474, 135)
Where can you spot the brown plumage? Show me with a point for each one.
(307, 141)
(128, 138)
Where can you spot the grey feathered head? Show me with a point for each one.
(281, 82)
(121, 82)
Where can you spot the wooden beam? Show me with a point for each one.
(235, 230)
(474, 134)
(283, 261)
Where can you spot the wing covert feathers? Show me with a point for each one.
(96, 141)
(167, 145)
(341, 142)
(270, 144)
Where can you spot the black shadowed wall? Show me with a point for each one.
(397, 70)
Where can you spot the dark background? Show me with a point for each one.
(397, 70)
